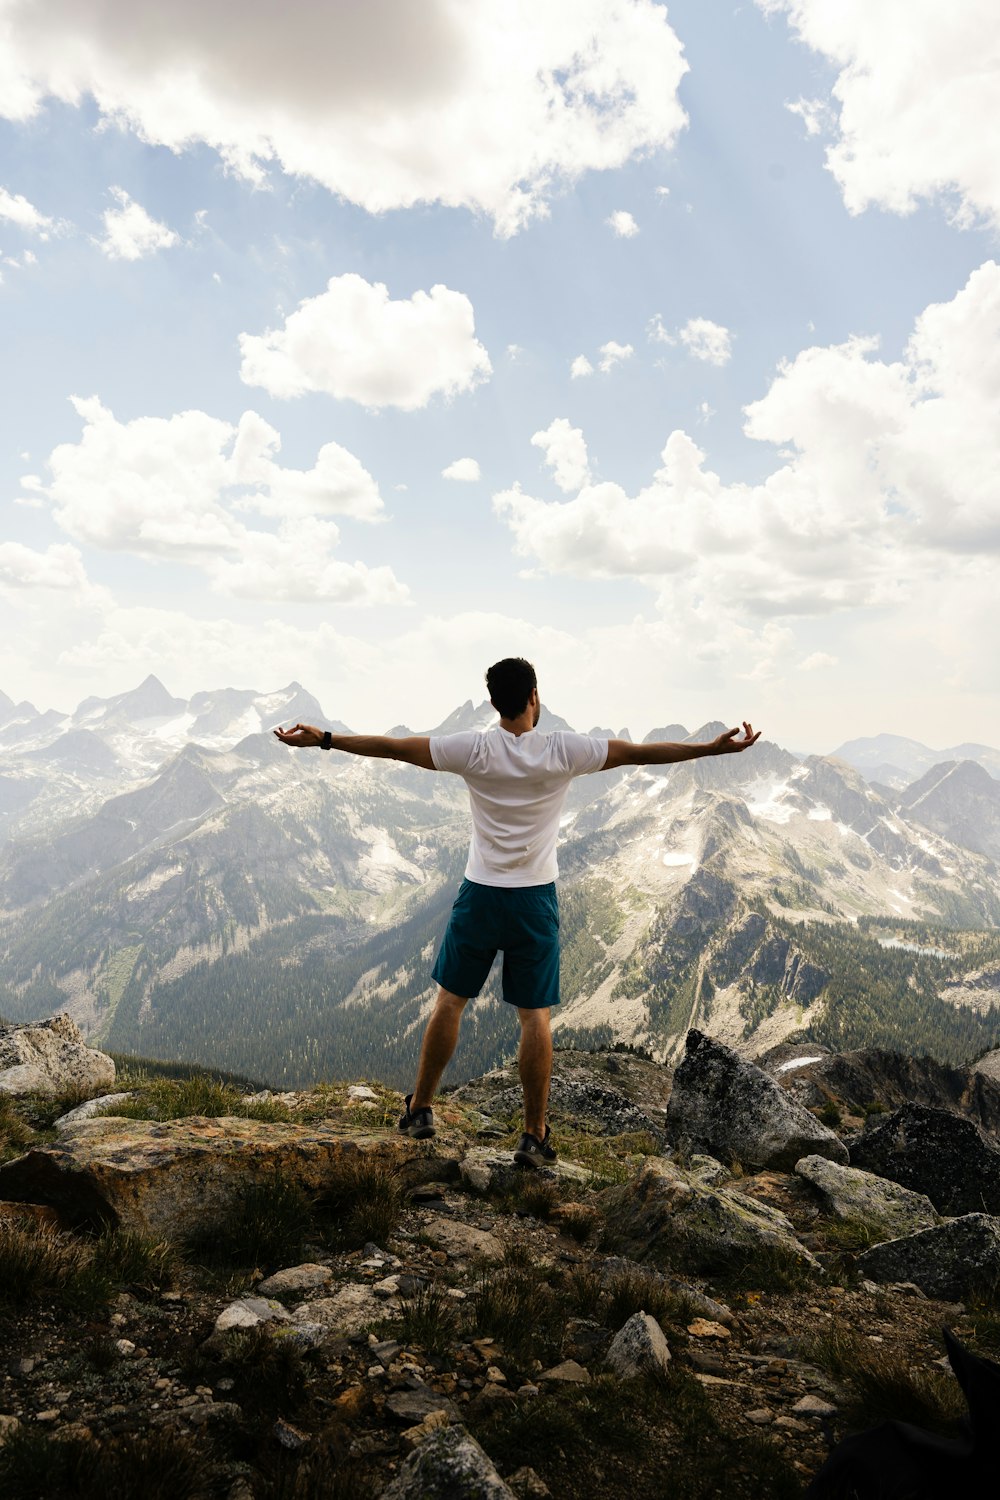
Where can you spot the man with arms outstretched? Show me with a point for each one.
(517, 781)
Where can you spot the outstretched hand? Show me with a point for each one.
(305, 736)
(728, 744)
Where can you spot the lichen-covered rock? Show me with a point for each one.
(485, 1170)
(295, 1279)
(668, 1214)
(639, 1347)
(935, 1152)
(882, 1206)
(448, 1465)
(348, 1311)
(175, 1178)
(733, 1111)
(948, 1262)
(51, 1057)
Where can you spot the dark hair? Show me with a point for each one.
(511, 683)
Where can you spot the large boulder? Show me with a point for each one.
(949, 1262)
(935, 1152)
(725, 1106)
(885, 1208)
(671, 1216)
(51, 1057)
(447, 1465)
(176, 1178)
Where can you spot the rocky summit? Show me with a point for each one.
(212, 1293)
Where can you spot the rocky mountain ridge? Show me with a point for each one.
(243, 891)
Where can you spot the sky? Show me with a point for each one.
(362, 345)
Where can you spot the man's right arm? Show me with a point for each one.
(414, 750)
(665, 752)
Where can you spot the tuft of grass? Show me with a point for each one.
(516, 1307)
(270, 1371)
(268, 1226)
(134, 1262)
(633, 1291)
(16, 1135)
(529, 1196)
(429, 1319)
(883, 1388)
(361, 1200)
(42, 1264)
(830, 1114)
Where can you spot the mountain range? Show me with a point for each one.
(187, 887)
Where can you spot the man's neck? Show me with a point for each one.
(521, 725)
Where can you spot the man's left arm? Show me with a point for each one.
(413, 750)
(666, 752)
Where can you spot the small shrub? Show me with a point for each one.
(830, 1114)
(362, 1200)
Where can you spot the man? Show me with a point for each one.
(517, 781)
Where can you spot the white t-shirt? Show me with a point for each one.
(517, 785)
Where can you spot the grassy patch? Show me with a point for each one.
(429, 1319)
(176, 1099)
(362, 1200)
(882, 1385)
(16, 1135)
(42, 1264)
(270, 1371)
(269, 1226)
(159, 1465)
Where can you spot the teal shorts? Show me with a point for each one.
(522, 922)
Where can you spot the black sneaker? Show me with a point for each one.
(533, 1152)
(416, 1123)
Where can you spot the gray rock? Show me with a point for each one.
(484, 1169)
(567, 1373)
(935, 1152)
(349, 1310)
(733, 1111)
(639, 1347)
(248, 1312)
(884, 1207)
(669, 1215)
(294, 1280)
(947, 1263)
(414, 1406)
(50, 1057)
(88, 1109)
(449, 1464)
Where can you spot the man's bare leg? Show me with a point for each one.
(534, 1061)
(440, 1041)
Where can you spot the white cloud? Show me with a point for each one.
(705, 412)
(656, 331)
(815, 114)
(130, 233)
(613, 354)
(15, 209)
(298, 565)
(565, 453)
(916, 91)
(490, 104)
(623, 224)
(580, 367)
(663, 192)
(172, 488)
(707, 341)
(887, 485)
(353, 342)
(466, 469)
(816, 661)
(58, 567)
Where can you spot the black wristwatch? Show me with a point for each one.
(326, 743)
